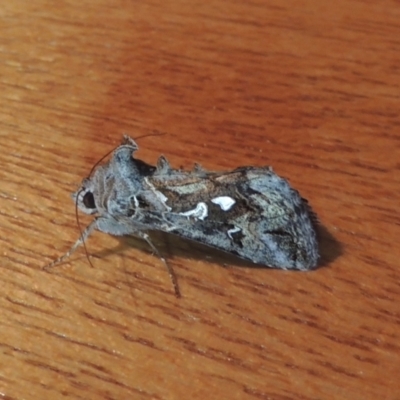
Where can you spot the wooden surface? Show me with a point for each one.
(310, 87)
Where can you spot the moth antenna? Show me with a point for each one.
(170, 270)
(149, 134)
(82, 238)
(99, 161)
(83, 235)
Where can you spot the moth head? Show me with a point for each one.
(84, 198)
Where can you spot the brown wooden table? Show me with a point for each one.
(309, 87)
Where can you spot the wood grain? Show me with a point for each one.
(310, 87)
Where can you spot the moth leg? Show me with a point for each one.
(170, 270)
(85, 234)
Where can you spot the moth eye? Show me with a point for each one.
(88, 200)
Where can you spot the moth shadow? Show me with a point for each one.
(170, 246)
(329, 248)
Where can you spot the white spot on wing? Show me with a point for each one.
(225, 202)
(161, 196)
(200, 212)
(233, 230)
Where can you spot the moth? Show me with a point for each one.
(250, 212)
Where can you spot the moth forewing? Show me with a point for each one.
(250, 212)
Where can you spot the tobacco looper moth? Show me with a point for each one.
(250, 212)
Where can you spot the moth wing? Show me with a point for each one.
(249, 212)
